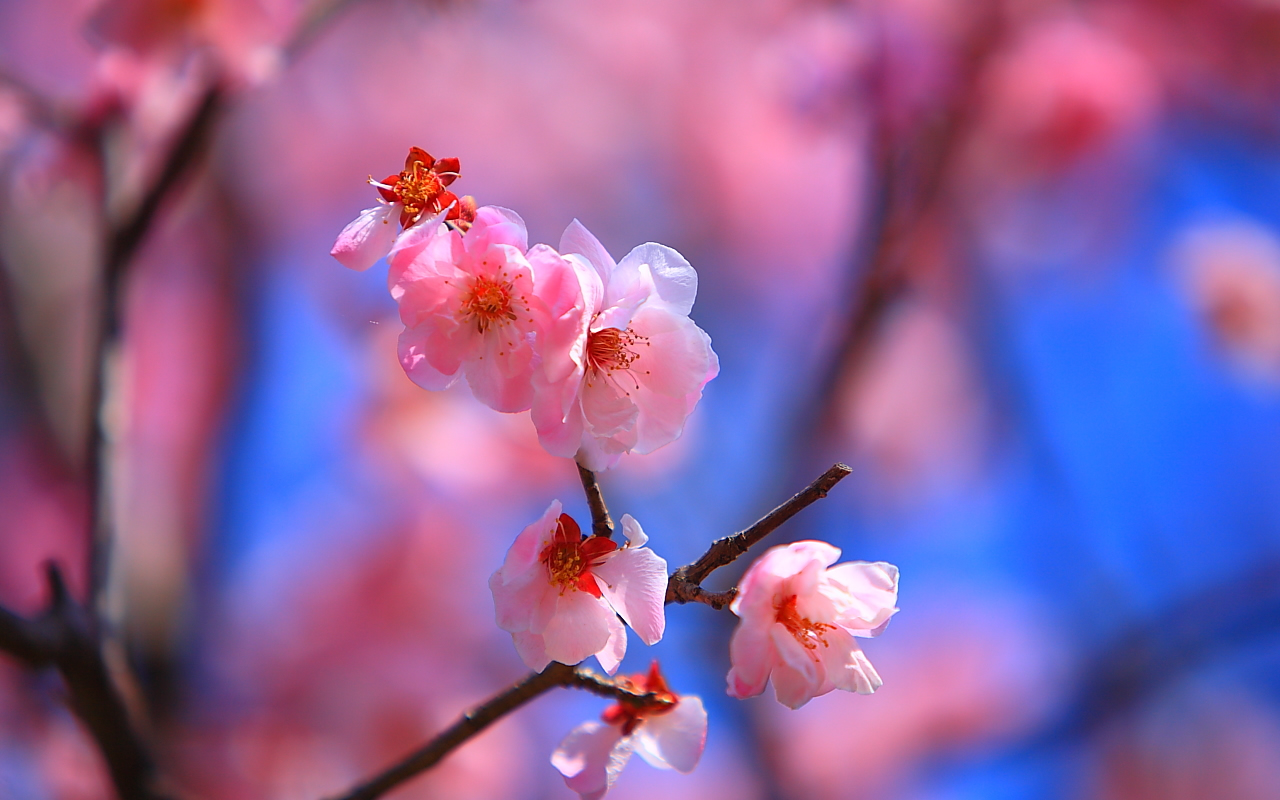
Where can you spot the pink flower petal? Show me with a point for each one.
(414, 346)
(798, 678)
(634, 581)
(846, 665)
(866, 595)
(367, 238)
(580, 628)
(610, 656)
(578, 240)
(532, 650)
(674, 740)
(672, 277)
(753, 657)
(591, 757)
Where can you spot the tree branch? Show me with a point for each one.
(601, 522)
(684, 585)
(66, 638)
(484, 715)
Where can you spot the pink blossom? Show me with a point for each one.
(799, 616)
(416, 192)
(668, 737)
(623, 366)
(470, 304)
(560, 595)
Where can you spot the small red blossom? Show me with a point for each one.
(668, 731)
(628, 713)
(420, 187)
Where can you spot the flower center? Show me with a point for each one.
(488, 302)
(807, 632)
(609, 349)
(419, 188)
(569, 558)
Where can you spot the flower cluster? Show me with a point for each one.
(606, 359)
(602, 352)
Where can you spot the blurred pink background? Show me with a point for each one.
(1015, 261)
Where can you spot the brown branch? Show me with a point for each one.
(684, 585)
(484, 715)
(66, 638)
(601, 522)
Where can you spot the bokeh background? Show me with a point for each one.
(1015, 261)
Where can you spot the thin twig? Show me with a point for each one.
(484, 715)
(66, 638)
(684, 586)
(601, 522)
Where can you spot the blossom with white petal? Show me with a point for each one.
(473, 304)
(623, 365)
(799, 619)
(560, 595)
(416, 193)
(670, 736)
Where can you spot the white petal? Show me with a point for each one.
(634, 582)
(367, 238)
(673, 278)
(591, 757)
(674, 740)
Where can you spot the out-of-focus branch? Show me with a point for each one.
(66, 638)
(123, 240)
(684, 586)
(484, 715)
(601, 522)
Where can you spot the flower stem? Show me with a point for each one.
(601, 522)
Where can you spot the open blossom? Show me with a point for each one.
(418, 192)
(799, 616)
(623, 366)
(560, 595)
(669, 736)
(470, 304)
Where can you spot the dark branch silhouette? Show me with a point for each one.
(684, 586)
(484, 715)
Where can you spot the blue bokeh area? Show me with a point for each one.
(1126, 508)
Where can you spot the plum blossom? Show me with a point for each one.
(799, 616)
(560, 595)
(669, 736)
(417, 192)
(623, 365)
(470, 304)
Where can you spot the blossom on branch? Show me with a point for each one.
(626, 365)
(559, 595)
(799, 619)
(473, 304)
(669, 734)
(417, 192)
